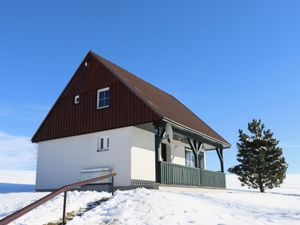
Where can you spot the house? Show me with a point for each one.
(108, 119)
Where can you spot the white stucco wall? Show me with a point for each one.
(178, 152)
(131, 155)
(60, 161)
(142, 155)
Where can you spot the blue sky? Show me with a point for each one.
(228, 61)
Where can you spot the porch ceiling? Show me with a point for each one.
(181, 132)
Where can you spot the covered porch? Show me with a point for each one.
(193, 146)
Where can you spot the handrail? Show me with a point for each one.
(26, 209)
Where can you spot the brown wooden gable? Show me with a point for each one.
(67, 119)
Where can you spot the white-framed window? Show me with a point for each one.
(103, 98)
(189, 157)
(102, 144)
(76, 99)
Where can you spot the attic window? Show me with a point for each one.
(103, 98)
(76, 99)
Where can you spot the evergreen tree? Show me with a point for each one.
(261, 163)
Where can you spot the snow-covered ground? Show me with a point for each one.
(11, 201)
(237, 205)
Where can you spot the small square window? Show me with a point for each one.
(76, 99)
(102, 144)
(103, 98)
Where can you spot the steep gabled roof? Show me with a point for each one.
(144, 103)
(161, 102)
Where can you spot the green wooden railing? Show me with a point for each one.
(182, 175)
(213, 179)
(179, 175)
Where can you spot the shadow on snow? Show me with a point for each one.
(9, 188)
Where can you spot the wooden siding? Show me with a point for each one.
(67, 119)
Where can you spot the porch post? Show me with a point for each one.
(157, 152)
(220, 155)
(196, 152)
(195, 146)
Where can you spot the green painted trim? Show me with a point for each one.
(157, 127)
